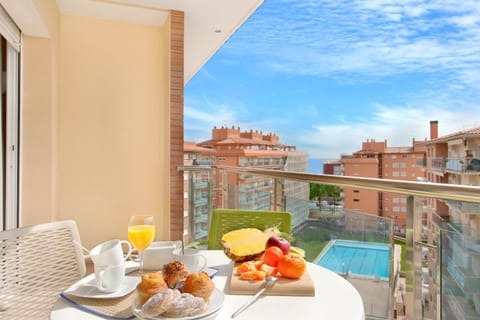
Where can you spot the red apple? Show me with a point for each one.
(280, 242)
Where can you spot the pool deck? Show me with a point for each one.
(375, 291)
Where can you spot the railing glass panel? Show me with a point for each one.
(460, 274)
(434, 271)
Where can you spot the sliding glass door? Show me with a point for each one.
(9, 84)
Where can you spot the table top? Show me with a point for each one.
(335, 298)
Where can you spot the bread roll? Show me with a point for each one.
(152, 283)
(175, 274)
(199, 284)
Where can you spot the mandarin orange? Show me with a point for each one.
(272, 255)
(291, 266)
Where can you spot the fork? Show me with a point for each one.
(269, 281)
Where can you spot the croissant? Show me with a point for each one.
(160, 302)
(186, 306)
(172, 303)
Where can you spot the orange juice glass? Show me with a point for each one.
(140, 236)
(141, 232)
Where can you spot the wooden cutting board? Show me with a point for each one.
(283, 287)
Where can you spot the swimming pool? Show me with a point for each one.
(357, 258)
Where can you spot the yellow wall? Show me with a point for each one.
(36, 179)
(101, 154)
(39, 61)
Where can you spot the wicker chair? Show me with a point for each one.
(36, 264)
(225, 220)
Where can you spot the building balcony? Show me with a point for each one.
(463, 165)
(261, 162)
(422, 163)
(200, 201)
(201, 218)
(204, 162)
(466, 208)
(438, 164)
(201, 184)
(202, 233)
(250, 177)
(455, 306)
(255, 187)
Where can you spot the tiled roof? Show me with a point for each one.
(365, 151)
(192, 147)
(458, 134)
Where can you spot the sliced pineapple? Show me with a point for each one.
(297, 250)
(244, 244)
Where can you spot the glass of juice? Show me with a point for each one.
(141, 232)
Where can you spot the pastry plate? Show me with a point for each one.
(86, 288)
(214, 305)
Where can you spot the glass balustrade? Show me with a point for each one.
(431, 270)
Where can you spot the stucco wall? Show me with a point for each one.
(100, 153)
(37, 122)
(38, 125)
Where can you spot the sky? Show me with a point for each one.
(326, 75)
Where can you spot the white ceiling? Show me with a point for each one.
(208, 23)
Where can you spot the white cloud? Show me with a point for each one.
(201, 116)
(324, 38)
(398, 125)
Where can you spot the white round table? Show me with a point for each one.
(335, 298)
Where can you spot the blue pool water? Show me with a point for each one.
(359, 258)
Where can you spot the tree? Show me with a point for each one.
(314, 191)
(318, 191)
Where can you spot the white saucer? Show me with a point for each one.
(86, 288)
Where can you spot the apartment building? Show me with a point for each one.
(377, 160)
(247, 191)
(454, 159)
(333, 167)
(197, 187)
(294, 193)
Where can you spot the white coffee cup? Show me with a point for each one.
(159, 253)
(109, 278)
(110, 253)
(191, 258)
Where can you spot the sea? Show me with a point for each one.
(315, 165)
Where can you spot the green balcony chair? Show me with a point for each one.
(225, 220)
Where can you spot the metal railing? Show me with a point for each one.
(415, 240)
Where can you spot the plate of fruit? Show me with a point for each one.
(259, 254)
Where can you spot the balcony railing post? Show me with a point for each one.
(211, 194)
(191, 206)
(393, 276)
(277, 194)
(224, 189)
(413, 294)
